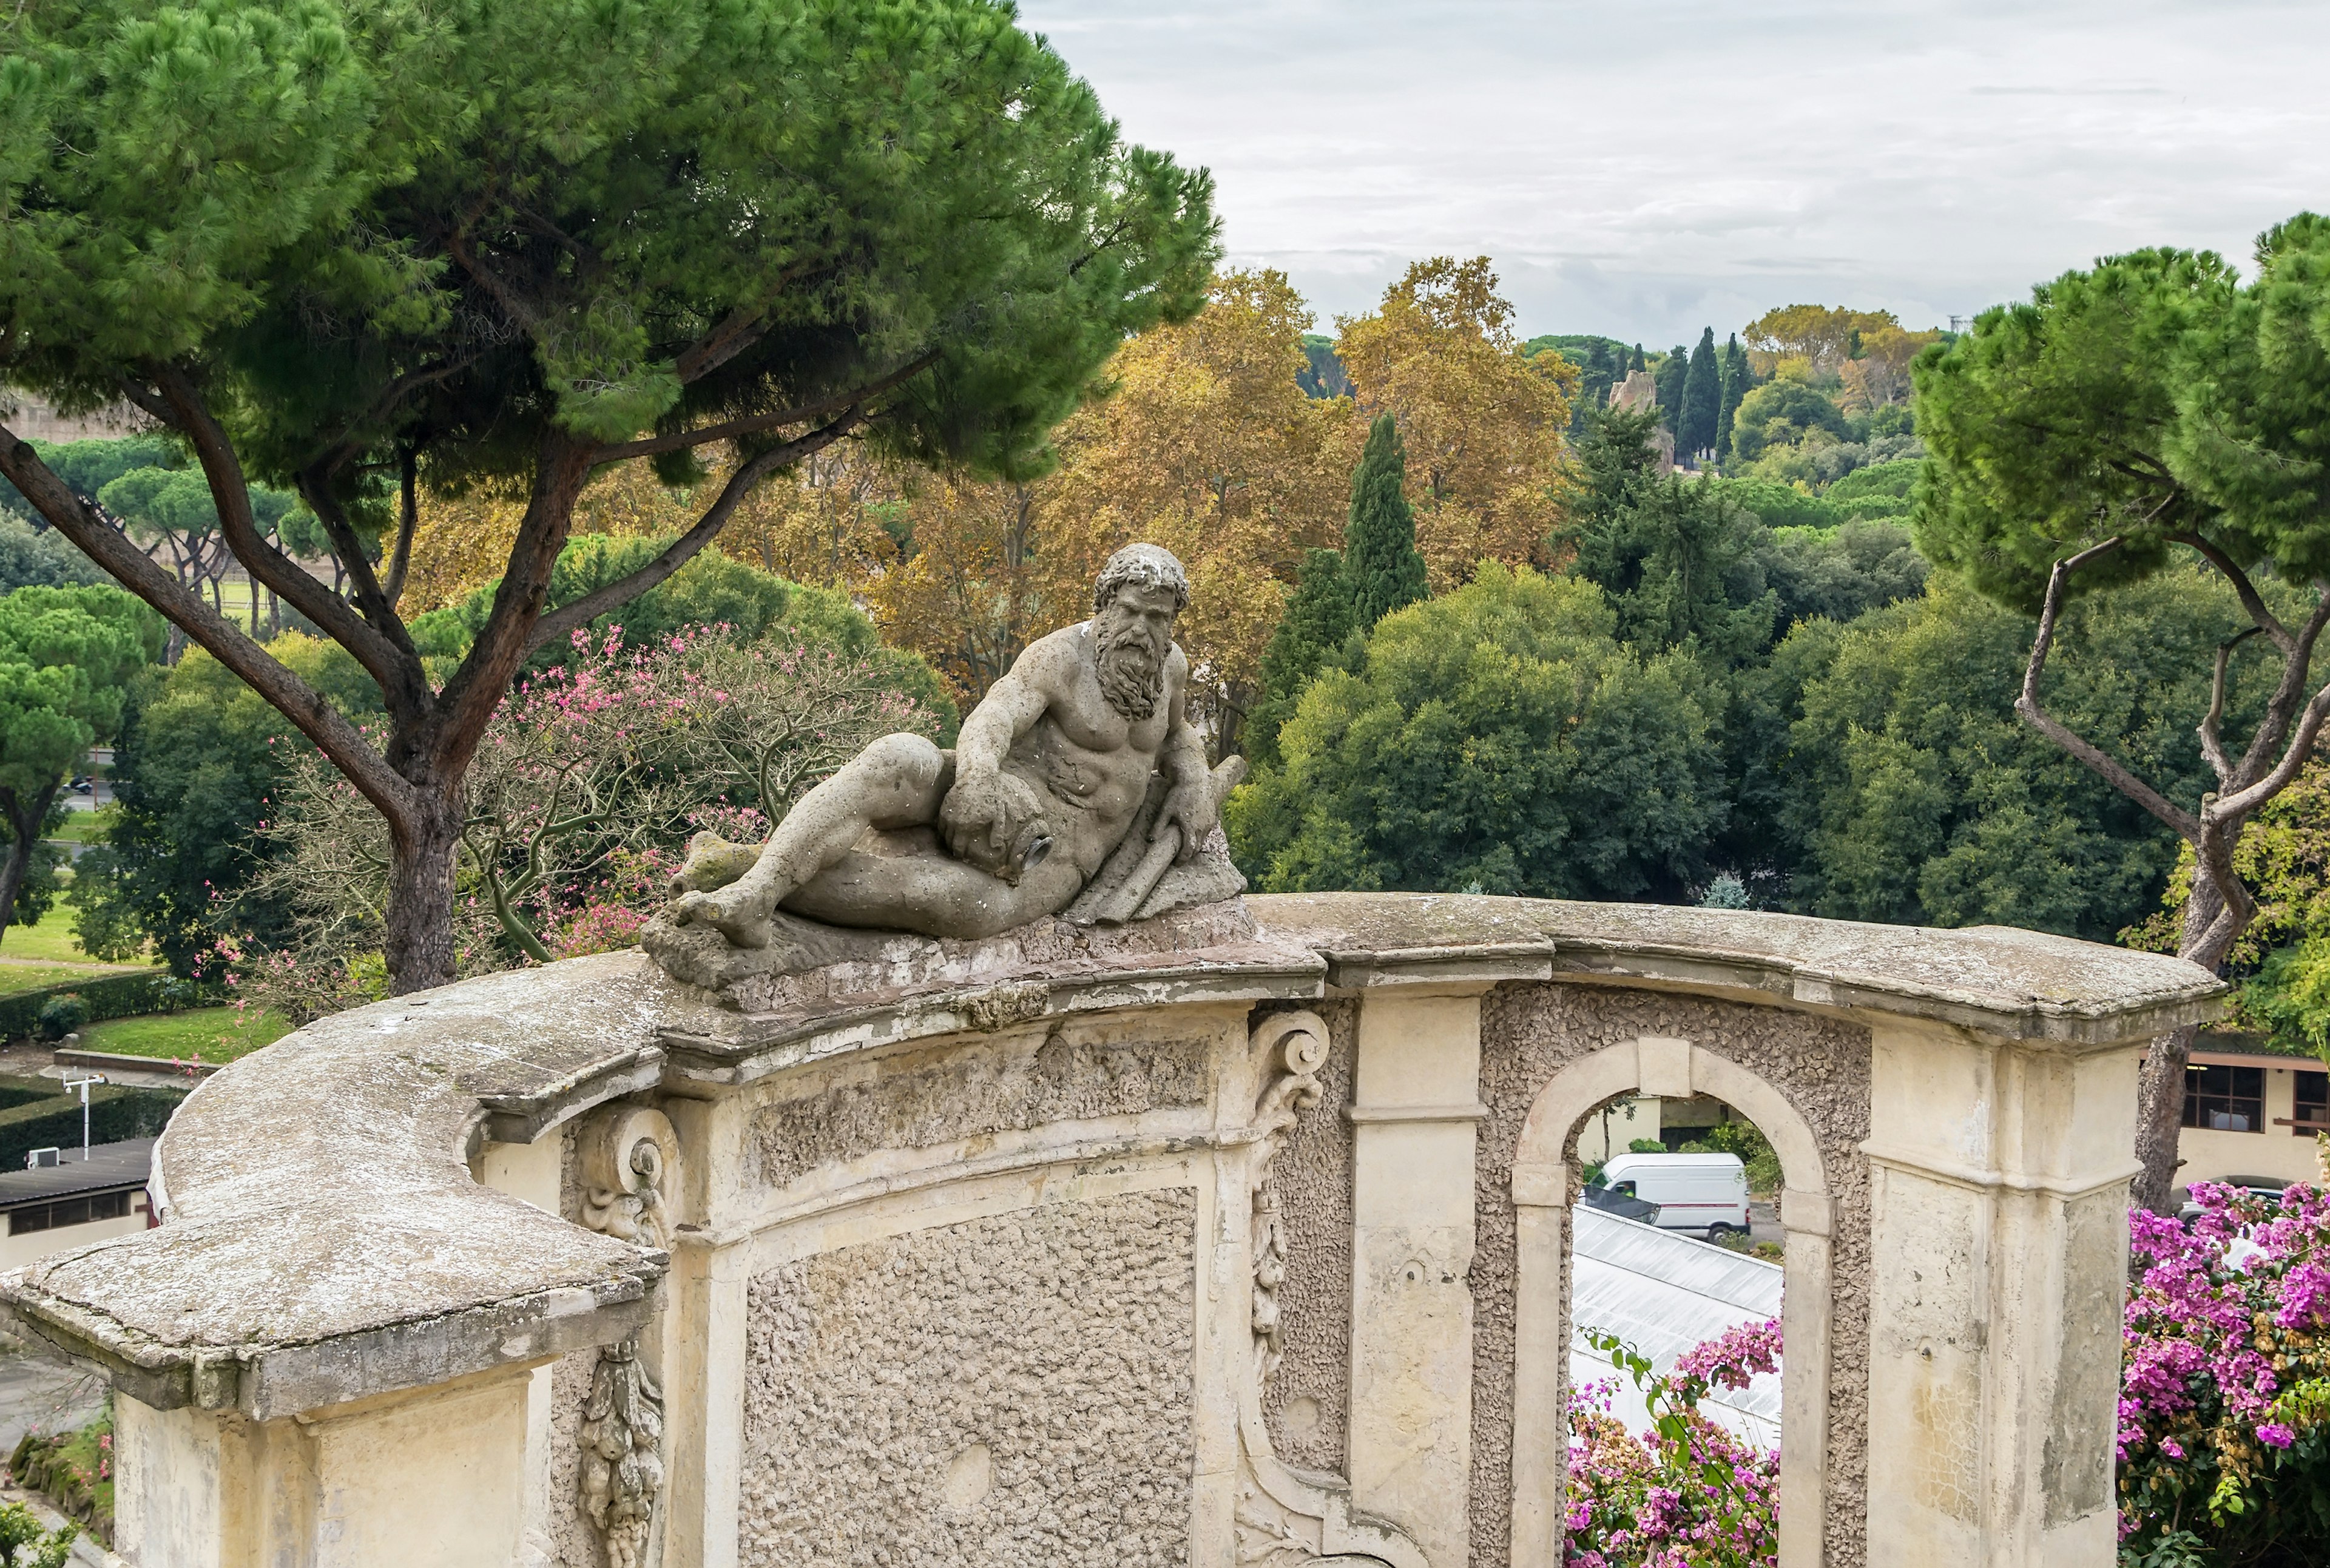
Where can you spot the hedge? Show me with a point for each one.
(115, 1112)
(108, 996)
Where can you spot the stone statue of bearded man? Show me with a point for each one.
(1048, 777)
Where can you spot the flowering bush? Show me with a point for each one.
(588, 781)
(2224, 1410)
(1687, 1493)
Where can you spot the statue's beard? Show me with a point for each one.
(1132, 670)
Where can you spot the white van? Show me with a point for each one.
(1693, 1191)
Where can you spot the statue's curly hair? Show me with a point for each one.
(1142, 566)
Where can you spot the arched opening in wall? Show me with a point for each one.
(1675, 1255)
(1628, 1266)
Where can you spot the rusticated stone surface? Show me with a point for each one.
(1011, 1390)
(572, 1542)
(1074, 1071)
(1528, 1032)
(1313, 1172)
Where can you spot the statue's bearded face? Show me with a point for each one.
(1132, 634)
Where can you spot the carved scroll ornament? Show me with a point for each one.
(1286, 1519)
(1288, 1048)
(625, 1153)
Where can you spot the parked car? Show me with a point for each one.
(1625, 1205)
(2262, 1186)
(1693, 1191)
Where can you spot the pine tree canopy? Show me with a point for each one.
(1382, 571)
(349, 248)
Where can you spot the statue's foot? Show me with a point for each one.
(712, 863)
(742, 920)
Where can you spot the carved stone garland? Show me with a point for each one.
(622, 1459)
(1284, 1520)
(625, 1153)
(1293, 1047)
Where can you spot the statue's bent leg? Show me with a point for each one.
(896, 782)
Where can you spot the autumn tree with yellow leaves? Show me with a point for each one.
(1203, 442)
(1485, 428)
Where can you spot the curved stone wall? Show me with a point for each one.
(1191, 1244)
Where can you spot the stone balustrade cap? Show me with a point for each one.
(326, 1240)
(2018, 984)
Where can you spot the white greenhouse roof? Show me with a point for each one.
(1665, 1292)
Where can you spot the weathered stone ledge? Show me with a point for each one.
(2020, 984)
(326, 1239)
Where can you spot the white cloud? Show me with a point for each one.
(1647, 169)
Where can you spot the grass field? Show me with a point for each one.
(202, 1034)
(52, 941)
(18, 978)
(81, 828)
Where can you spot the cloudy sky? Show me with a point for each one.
(1646, 167)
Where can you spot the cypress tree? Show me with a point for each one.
(1311, 637)
(1702, 397)
(1381, 570)
(1735, 375)
(1638, 364)
(1670, 374)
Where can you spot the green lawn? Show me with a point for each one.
(202, 1034)
(81, 828)
(15, 979)
(49, 942)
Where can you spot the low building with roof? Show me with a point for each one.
(2251, 1112)
(84, 1197)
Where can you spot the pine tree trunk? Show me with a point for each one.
(2160, 1094)
(25, 821)
(419, 945)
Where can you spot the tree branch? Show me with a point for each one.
(408, 697)
(231, 494)
(2240, 803)
(2181, 822)
(758, 424)
(335, 734)
(738, 331)
(408, 523)
(561, 468)
(561, 622)
(2297, 670)
(2210, 747)
(2253, 604)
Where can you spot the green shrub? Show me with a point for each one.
(74, 1470)
(61, 1013)
(1746, 1141)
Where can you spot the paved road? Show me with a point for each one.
(38, 1392)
